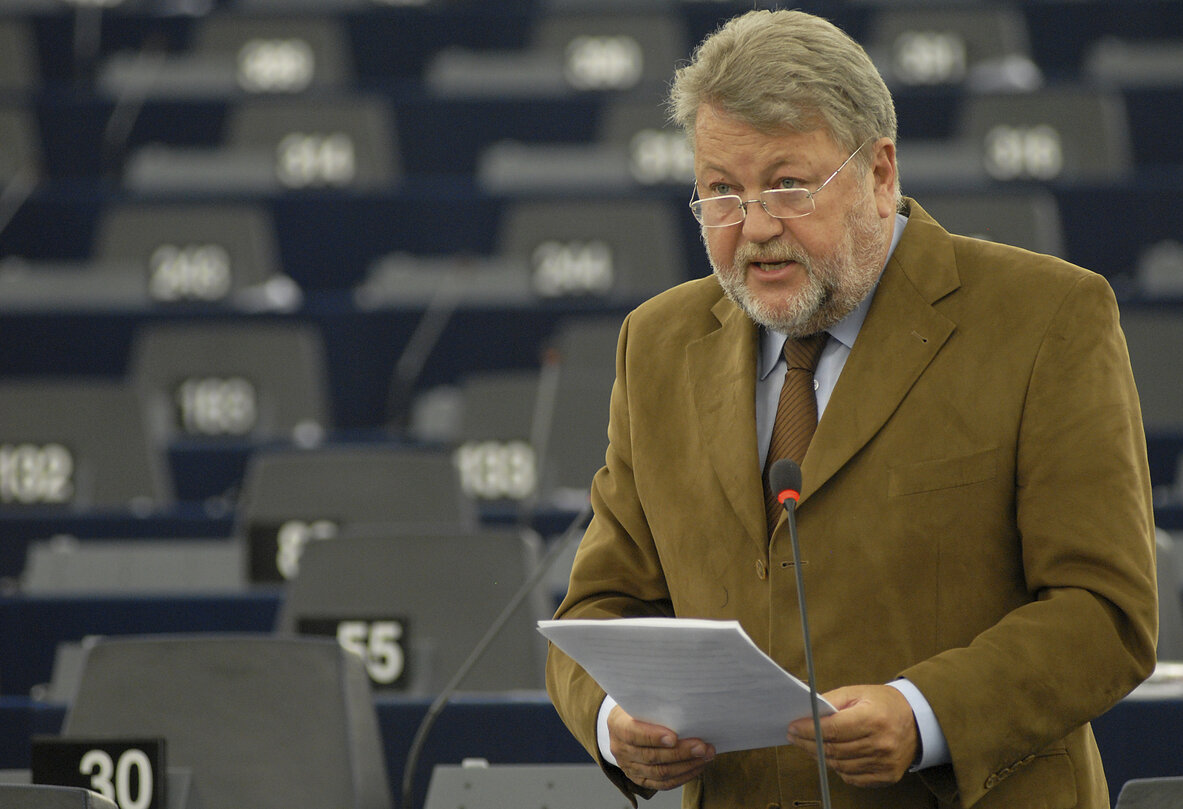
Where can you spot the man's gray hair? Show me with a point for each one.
(786, 69)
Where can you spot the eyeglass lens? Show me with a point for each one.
(783, 203)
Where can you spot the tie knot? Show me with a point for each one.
(803, 353)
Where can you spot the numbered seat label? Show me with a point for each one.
(381, 643)
(274, 550)
(132, 773)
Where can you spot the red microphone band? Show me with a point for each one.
(786, 494)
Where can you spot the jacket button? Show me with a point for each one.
(761, 570)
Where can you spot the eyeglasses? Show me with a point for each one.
(780, 203)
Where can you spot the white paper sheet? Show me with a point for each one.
(701, 679)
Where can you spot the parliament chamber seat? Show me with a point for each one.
(72, 444)
(292, 498)
(977, 46)
(566, 53)
(531, 786)
(42, 796)
(236, 54)
(416, 604)
(212, 381)
(262, 721)
(274, 144)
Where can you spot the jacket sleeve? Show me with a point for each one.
(1085, 521)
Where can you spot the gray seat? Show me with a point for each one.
(40, 796)
(531, 786)
(114, 566)
(567, 53)
(160, 254)
(978, 46)
(619, 249)
(438, 594)
(20, 159)
(577, 435)
(215, 380)
(20, 68)
(274, 144)
(262, 721)
(292, 498)
(199, 252)
(1170, 599)
(178, 789)
(499, 427)
(1129, 63)
(233, 54)
(1066, 133)
(1151, 793)
(78, 445)
(1058, 134)
(1029, 218)
(635, 146)
(1153, 336)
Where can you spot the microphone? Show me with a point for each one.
(785, 479)
(553, 554)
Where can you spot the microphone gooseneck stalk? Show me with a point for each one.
(553, 554)
(785, 478)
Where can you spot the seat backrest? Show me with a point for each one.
(262, 721)
(192, 252)
(1170, 599)
(927, 45)
(277, 52)
(21, 155)
(432, 597)
(531, 786)
(1029, 218)
(39, 796)
(347, 141)
(19, 63)
(658, 152)
(1068, 133)
(499, 425)
(67, 565)
(1153, 335)
(611, 51)
(576, 403)
(78, 444)
(232, 379)
(617, 249)
(291, 498)
(1151, 793)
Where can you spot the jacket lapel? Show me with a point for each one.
(899, 338)
(722, 372)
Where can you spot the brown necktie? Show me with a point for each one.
(796, 413)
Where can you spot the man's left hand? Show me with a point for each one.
(872, 739)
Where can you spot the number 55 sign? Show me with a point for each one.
(130, 772)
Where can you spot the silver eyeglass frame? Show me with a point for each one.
(742, 204)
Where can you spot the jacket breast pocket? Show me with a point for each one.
(942, 473)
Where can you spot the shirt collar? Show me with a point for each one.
(772, 343)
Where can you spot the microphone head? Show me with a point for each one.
(785, 475)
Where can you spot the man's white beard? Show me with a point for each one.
(834, 284)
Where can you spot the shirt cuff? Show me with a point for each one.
(934, 749)
(602, 738)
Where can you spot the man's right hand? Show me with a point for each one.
(652, 756)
